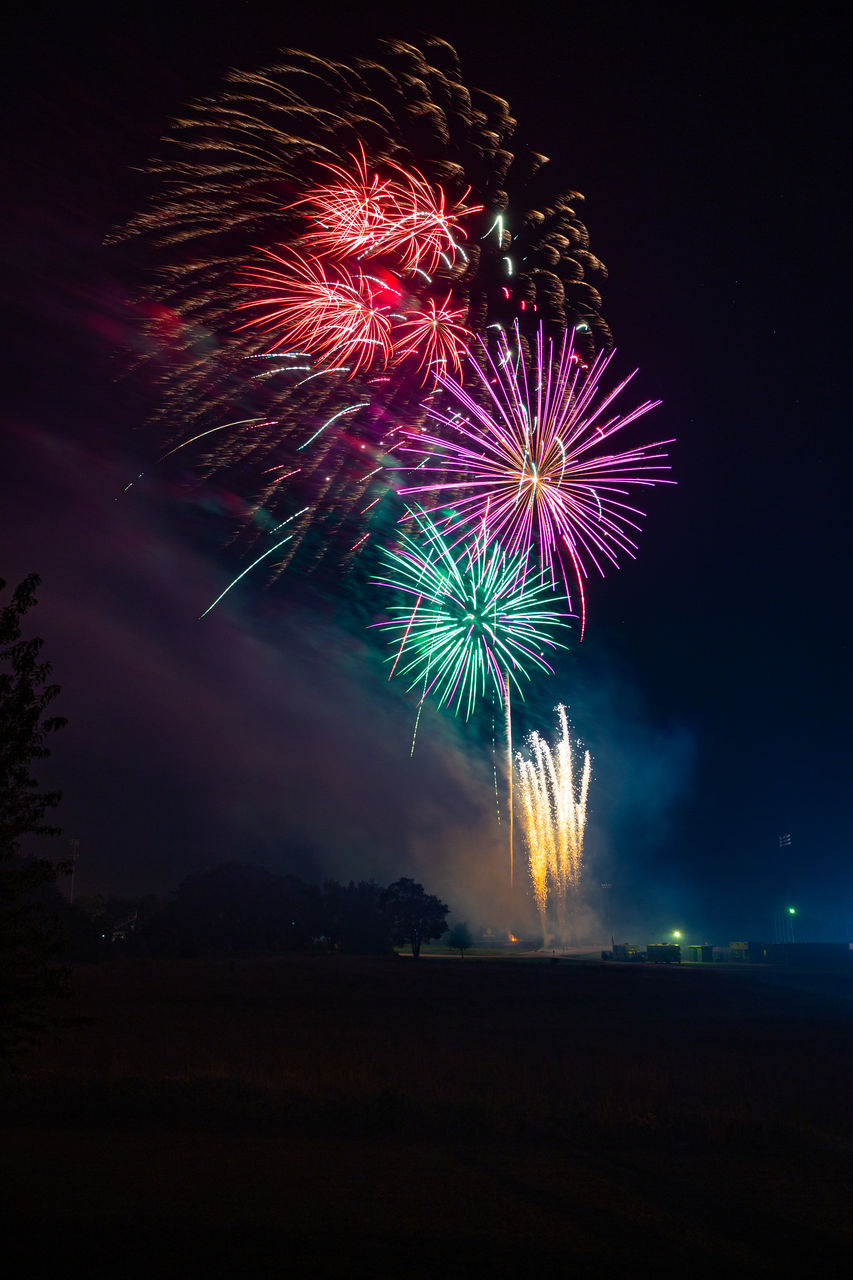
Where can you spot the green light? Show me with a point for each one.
(676, 933)
(792, 911)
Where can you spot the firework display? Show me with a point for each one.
(371, 313)
(470, 618)
(554, 793)
(529, 462)
(329, 237)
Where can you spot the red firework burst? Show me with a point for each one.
(361, 215)
(333, 314)
(436, 335)
(351, 215)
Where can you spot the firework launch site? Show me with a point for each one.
(333, 1114)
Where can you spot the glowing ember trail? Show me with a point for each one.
(509, 770)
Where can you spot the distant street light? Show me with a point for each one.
(792, 911)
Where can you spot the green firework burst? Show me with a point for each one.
(469, 617)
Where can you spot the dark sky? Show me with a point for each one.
(713, 687)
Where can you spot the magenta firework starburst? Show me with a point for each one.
(524, 457)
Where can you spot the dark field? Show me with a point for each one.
(345, 1116)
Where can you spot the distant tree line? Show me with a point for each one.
(238, 908)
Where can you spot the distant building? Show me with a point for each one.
(743, 953)
(796, 954)
(809, 954)
(623, 951)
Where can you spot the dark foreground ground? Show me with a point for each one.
(336, 1116)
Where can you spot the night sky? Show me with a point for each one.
(713, 687)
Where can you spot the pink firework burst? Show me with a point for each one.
(528, 461)
(436, 334)
(332, 313)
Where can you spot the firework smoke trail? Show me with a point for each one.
(495, 770)
(554, 809)
(523, 456)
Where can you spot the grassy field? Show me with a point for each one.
(342, 1116)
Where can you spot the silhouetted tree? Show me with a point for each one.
(354, 920)
(415, 916)
(30, 934)
(459, 938)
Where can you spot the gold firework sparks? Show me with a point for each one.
(554, 793)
